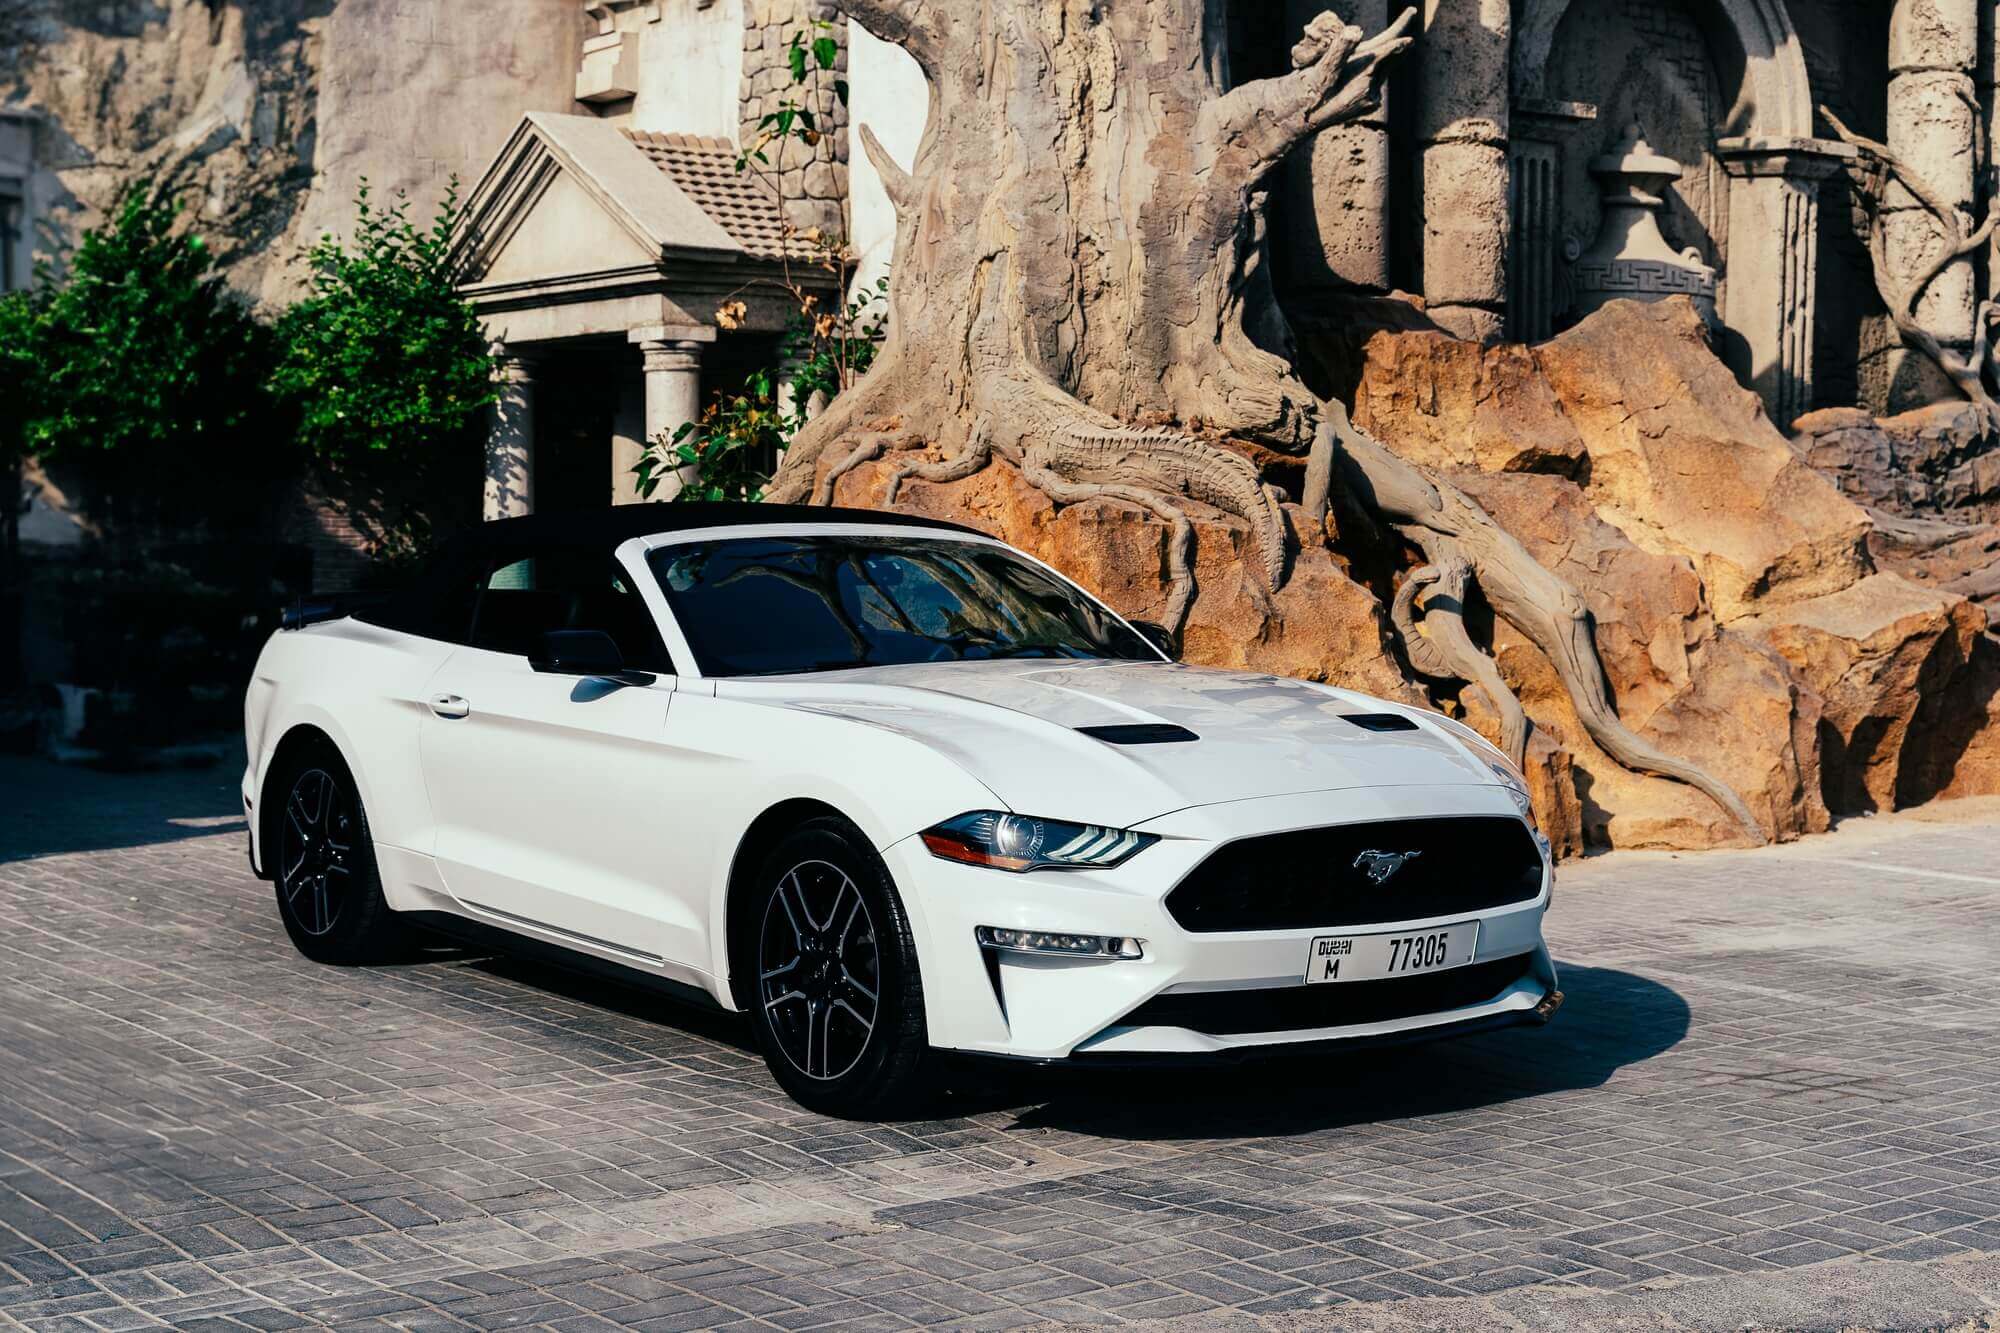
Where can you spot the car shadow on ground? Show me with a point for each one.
(1611, 1019)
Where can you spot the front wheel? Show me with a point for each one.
(838, 1003)
(329, 891)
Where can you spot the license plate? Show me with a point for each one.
(1374, 957)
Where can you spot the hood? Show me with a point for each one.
(1013, 725)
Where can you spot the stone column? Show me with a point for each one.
(1541, 131)
(1768, 298)
(671, 360)
(1933, 51)
(1989, 105)
(1462, 121)
(1338, 181)
(628, 436)
(510, 440)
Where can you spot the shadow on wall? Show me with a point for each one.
(1611, 1019)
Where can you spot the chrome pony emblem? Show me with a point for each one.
(1379, 866)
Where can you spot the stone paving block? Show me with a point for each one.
(1773, 1067)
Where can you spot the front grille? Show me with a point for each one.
(1333, 1005)
(1310, 878)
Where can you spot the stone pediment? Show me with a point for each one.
(570, 198)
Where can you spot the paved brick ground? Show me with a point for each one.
(1774, 1095)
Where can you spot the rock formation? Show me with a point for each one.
(1741, 614)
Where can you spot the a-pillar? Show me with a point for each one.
(1462, 120)
(670, 359)
(1770, 289)
(510, 438)
(1932, 117)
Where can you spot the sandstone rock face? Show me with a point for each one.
(1934, 461)
(1769, 648)
(1741, 618)
(1704, 693)
(1876, 653)
(1320, 626)
(1683, 460)
(1459, 404)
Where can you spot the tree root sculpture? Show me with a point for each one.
(1976, 374)
(1442, 650)
(1449, 528)
(1080, 289)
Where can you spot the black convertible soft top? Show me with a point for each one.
(613, 524)
(418, 604)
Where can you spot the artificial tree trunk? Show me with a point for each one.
(1081, 289)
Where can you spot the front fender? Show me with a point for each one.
(750, 758)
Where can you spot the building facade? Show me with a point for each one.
(1530, 158)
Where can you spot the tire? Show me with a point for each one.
(323, 866)
(824, 929)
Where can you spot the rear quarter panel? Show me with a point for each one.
(364, 687)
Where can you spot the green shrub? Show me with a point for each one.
(138, 377)
(390, 375)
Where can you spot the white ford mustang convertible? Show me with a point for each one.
(893, 788)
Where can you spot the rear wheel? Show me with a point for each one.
(838, 1001)
(329, 891)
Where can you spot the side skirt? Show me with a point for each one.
(501, 941)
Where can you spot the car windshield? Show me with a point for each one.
(781, 605)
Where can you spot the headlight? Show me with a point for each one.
(1022, 842)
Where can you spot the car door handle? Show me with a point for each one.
(449, 705)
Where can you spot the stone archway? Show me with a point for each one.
(1776, 96)
(1764, 196)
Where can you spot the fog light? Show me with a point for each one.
(1045, 941)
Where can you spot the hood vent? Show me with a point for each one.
(1380, 721)
(1140, 733)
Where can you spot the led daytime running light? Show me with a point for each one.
(1042, 941)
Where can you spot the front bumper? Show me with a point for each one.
(1056, 1008)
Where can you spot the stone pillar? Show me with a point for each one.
(628, 436)
(671, 360)
(1769, 294)
(1932, 114)
(1989, 105)
(787, 389)
(1541, 131)
(1462, 122)
(1337, 212)
(510, 440)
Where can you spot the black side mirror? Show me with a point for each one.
(1160, 637)
(579, 652)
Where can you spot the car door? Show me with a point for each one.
(547, 788)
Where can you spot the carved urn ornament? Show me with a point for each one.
(1630, 259)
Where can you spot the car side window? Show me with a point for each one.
(523, 595)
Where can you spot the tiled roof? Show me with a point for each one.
(705, 170)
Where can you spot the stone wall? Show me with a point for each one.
(812, 179)
(266, 114)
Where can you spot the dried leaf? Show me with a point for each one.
(731, 314)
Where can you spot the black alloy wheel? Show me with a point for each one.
(322, 858)
(819, 970)
(315, 851)
(838, 1000)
